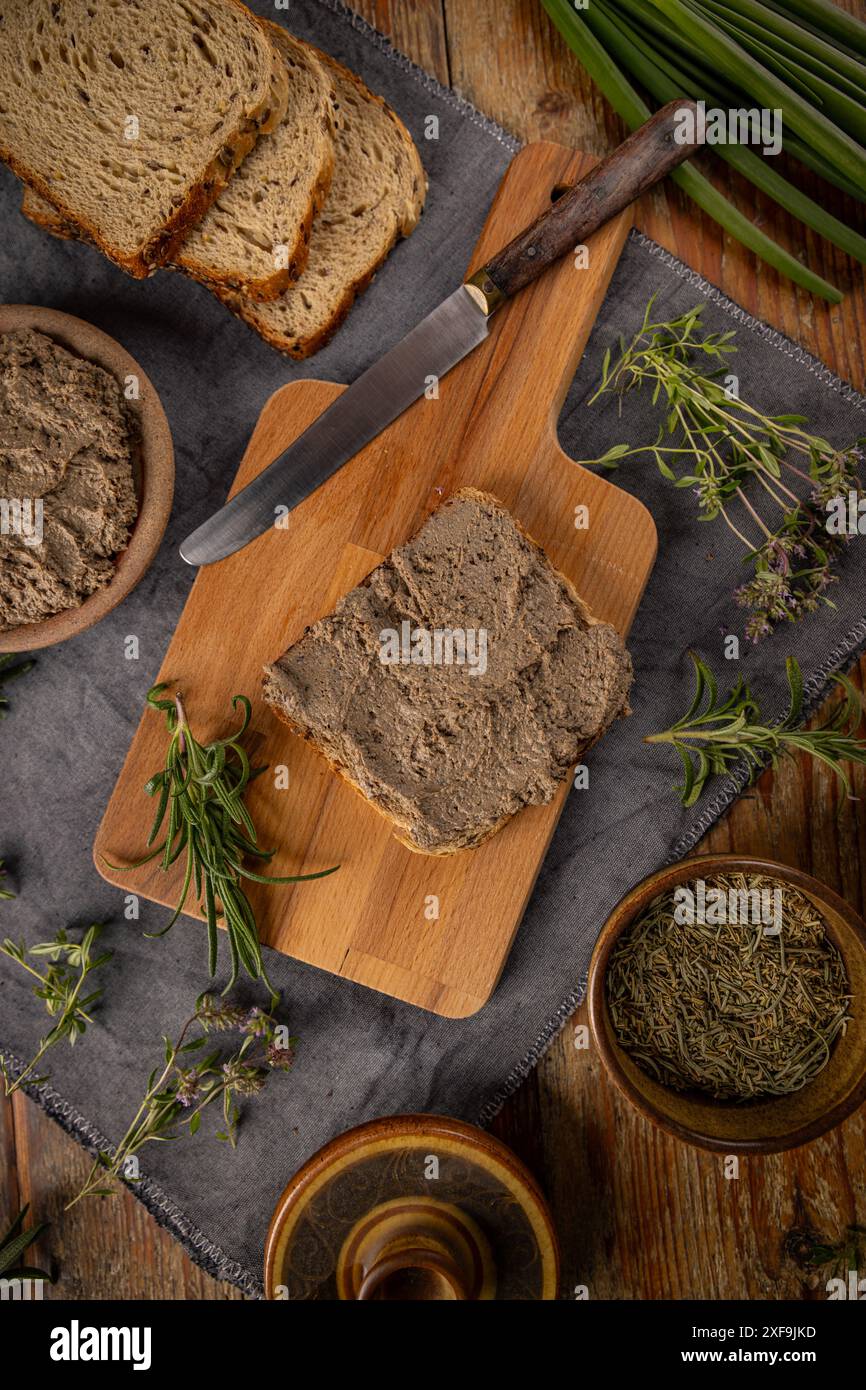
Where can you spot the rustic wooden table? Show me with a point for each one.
(639, 1215)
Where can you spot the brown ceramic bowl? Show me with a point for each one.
(412, 1208)
(782, 1122)
(154, 474)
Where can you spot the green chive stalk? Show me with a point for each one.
(665, 82)
(795, 42)
(737, 54)
(630, 106)
(846, 111)
(734, 62)
(830, 20)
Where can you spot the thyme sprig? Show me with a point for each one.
(722, 443)
(61, 987)
(7, 675)
(200, 801)
(176, 1096)
(717, 732)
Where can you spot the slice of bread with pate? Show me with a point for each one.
(130, 118)
(460, 682)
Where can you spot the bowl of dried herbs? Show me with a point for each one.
(727, 999)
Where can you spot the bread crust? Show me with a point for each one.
(160, 246)
(261, 291)
(47, 217)
(397, 824)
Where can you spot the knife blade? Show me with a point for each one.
(374, 399)
(452, 330)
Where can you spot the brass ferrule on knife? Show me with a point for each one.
(487, 295)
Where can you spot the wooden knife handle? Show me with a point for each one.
(641, 161)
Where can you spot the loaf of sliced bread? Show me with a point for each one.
(130, 116)
(376, 195)
(256, 235)
(450, 748)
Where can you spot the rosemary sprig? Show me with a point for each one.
(12, 1247)
(5, 893)
(176, 1096)
(201, 791)
(60, 986)
(715, 733)
(7, 675)
(724, 443)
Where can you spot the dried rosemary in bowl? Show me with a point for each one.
(732, 988)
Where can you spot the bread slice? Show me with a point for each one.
(255, 238)
(130, 118)
(377, 194)
(450, 751)
(45, 215)
(363, 216)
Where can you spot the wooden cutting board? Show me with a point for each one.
(492, 427)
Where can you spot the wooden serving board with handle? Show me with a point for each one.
(493, 427)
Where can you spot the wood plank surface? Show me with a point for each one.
(490, 426)
(639, 1215)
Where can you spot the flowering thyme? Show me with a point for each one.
(727, 443)
(177, 1096)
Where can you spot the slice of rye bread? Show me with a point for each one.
(376, 196)
(264, 216)
(193, 84)
(449, 754)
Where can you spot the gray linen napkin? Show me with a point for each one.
(361, 1055)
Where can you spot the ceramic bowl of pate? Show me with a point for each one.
(152, 467)
(760, 1125)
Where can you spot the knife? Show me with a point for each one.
(444, 337)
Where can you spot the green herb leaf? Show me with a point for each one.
(201, 791)
(13, 1245)
(726, 443)
(713, 735)
(60, 987)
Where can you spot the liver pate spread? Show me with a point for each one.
(67, 486)
(450, 751)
